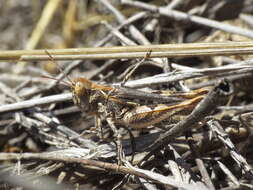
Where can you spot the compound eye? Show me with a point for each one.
(79, 89)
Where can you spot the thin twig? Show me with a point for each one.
(135, 33)
(184, 75)
(119, 52)
(35, 102)
(65, 156)
(130, 20)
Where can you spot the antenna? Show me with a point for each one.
(59, 68)
(62, 81)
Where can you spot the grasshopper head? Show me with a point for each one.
(80, 88)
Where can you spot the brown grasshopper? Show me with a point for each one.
(119, 105)
(125, 106)
(110, 103)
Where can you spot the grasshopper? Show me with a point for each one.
(113, 104)
(110, 103)
(126, 106)
(119, 105)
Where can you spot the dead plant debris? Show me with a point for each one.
(155, 95)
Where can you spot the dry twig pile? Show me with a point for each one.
(192, 56)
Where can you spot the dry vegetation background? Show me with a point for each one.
(49, 144)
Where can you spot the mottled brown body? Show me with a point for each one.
(108, 102)
(137, 118)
